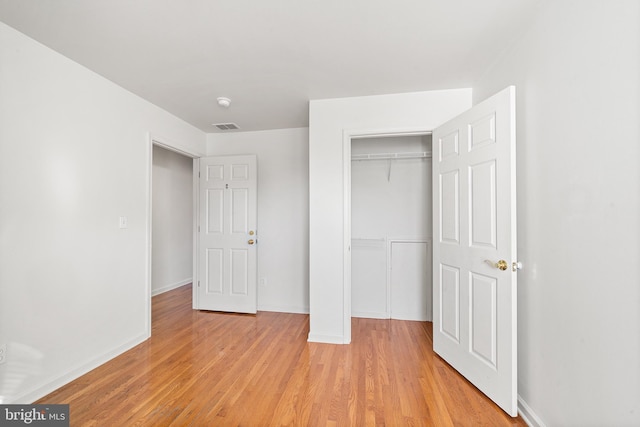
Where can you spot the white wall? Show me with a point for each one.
(74, 156)
(172, 220)
(283, 212)
(577, 74)
(329, 120)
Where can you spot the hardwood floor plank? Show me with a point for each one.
(207, 368)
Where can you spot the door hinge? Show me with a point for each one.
(198, 174)
(198, 229)
(198, 283)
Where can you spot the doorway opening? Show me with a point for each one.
(172, 231)
(171, 219)
(388, 226)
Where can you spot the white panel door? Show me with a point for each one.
(474, 251)
(227, 268)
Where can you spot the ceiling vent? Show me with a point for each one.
(226, 126)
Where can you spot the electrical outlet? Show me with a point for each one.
(3, 353)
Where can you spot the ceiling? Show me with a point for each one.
(270, 57)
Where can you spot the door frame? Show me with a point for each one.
(347, 136)
(168, 144)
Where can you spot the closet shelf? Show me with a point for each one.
(391, 156)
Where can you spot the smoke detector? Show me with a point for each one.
(224, 102)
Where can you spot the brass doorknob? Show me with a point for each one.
(500, 265)
(251, 241)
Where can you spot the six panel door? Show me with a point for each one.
(474, 224)
(228, 236)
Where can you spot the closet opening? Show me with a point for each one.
(390, 203)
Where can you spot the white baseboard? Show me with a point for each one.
(170, 287)
(378, 315)
(527, 414)
(370, 314)
(283, 309)
(58, 382)
(326, 339)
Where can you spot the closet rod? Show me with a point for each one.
(391, 156)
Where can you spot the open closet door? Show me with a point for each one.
(227, 272)
(474, 251)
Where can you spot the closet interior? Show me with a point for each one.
(391, 224)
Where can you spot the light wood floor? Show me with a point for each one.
(214, 369)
